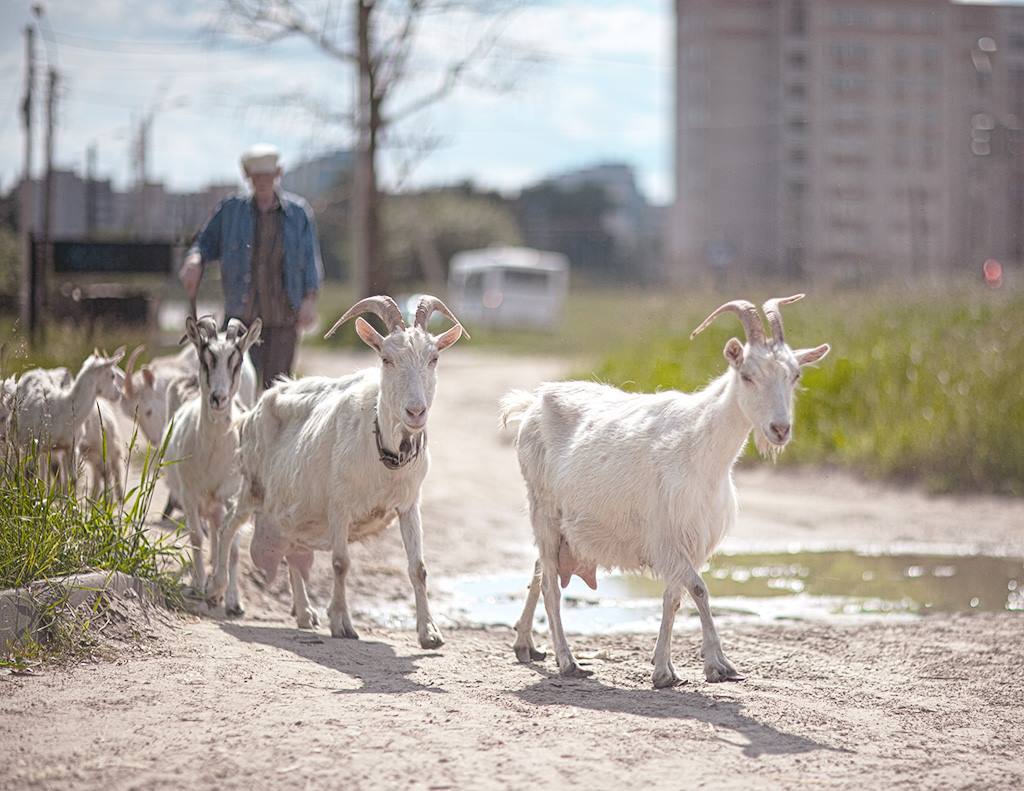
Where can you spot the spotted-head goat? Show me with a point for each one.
(638, 481)
(332, 461)
(203, 442)
(145, 390)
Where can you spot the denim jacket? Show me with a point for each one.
(228, 237)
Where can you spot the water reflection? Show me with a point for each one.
(771, 585)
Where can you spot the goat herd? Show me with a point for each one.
(633, 481)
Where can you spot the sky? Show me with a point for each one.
(569, 84)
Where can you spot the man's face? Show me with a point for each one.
(263, 183)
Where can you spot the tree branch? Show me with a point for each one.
(448, 82)
(274, 20)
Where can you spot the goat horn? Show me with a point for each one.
(382, 306)
(426, 308)
(129, 369)
(748, 315)
(234, 329)
(207, 328)
(773, 313)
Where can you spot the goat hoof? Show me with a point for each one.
(666, 678)
(575, 671)
(308, 620)
(526, 654)
(346, 632)
(234, 611)
(721, 670)
(431, 639)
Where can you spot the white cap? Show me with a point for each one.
(260, 158)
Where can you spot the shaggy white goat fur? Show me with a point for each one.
(43, 380)
(311, 465)
(53, 415)
(203, 443)
(644, 481)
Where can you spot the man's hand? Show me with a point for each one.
(190, 274)
(307, 318)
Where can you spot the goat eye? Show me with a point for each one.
(433, 361)
(386, 361)
(746, 378)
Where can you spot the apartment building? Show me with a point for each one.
(847, 138)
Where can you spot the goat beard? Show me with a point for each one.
(768, 450)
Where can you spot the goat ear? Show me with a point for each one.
(118, 354)
(252, 335)
(147, 376)
(370, 336)
(808, 356)
(448, 337)
(191, 331)
(733, 352)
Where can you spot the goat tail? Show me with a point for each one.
(514, 406)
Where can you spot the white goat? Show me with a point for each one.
(102, 447)
(203, 442)
(146, 394)
(645, 480)
(332, 461)
(54, 415)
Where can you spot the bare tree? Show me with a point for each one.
(378, 41)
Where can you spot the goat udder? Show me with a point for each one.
(569, 564)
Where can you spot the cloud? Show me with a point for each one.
(601, 91)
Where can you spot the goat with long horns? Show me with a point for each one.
(331, 461)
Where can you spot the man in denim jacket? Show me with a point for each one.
(270, 263)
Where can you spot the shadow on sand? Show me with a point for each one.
(377, 667)
(678, 703)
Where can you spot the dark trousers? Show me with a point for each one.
(274, 355)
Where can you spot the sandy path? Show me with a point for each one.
(928, 702)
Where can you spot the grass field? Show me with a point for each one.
(921, 386)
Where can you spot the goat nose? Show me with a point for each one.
(416, 410)
(780, 430)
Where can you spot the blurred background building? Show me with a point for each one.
(847, 138)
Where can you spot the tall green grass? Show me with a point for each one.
(47, 529)
(920, 386)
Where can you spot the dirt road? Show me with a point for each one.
(923, 702)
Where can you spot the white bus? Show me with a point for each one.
(509, 287)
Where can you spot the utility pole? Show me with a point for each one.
(47, 257)
(90, 190)
(27, 208)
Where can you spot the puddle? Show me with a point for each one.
(762, 586)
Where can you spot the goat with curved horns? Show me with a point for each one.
(332, 461)
(645, 480)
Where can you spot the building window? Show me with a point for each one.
(850, 54)
(851, 17)
(798, 18)
(849, 83)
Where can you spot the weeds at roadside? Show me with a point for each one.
(47, 531)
